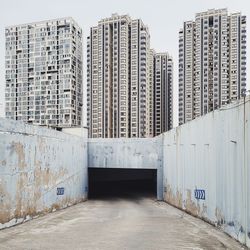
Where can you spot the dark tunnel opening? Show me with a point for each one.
(122, 183)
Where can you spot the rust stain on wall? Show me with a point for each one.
(41, 145)
(33, 163)
(190, 205)
(28, 198)
(3, 162)
(174, 199)
(66, 202)
(220, 217)
(19, 149)
(21, 182)
(204, 211)
(5, 205)
(46, 176)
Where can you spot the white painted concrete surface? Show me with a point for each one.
(124, 153)
(34, 162)
(212, 153)
(82, 131)
(139, 153)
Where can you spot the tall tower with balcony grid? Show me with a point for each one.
(212, 62)
(119, 78)
(44, 73)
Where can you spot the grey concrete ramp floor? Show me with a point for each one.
(135, 223)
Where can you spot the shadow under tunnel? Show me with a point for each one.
(110, 183)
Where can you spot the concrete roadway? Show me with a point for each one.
(129, 223)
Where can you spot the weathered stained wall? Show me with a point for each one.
(139, 153)
(212, 153)
(124, 153)
(34, 162)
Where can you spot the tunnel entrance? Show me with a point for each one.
(122, 183)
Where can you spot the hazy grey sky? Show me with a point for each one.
(163, 17)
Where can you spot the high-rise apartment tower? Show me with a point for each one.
(119, 78)
(44, 73)
(212, 62)
(163, 93)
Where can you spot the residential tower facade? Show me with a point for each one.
(212, 62)
(119, 78)
(163, 93)
(44, 73)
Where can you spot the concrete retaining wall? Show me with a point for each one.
(124, 153)
(34, 163)
(203, 167)
(212, 156)
(139, 153)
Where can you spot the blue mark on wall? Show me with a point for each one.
(60, 191)
(199, 194)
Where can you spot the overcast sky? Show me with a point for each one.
(163, 17)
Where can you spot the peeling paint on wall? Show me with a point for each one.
(34, 161)
(124, 153)
(212, 153)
